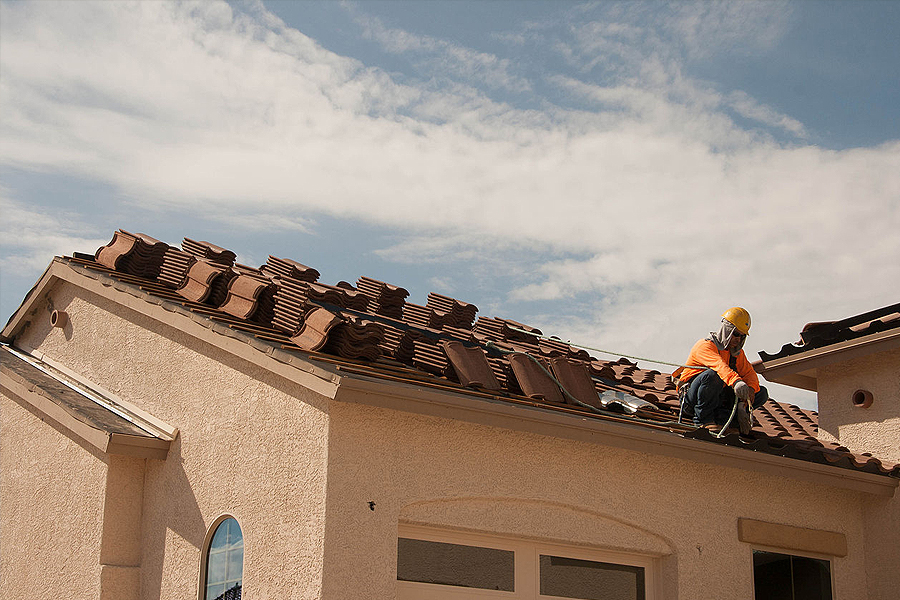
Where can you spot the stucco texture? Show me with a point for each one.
(429, 470)
(319, 487)
(875, 429)
(51, 497)
(250, 445)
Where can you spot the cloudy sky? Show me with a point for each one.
(617, 174)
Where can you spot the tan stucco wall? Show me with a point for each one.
(875, 429)
(250, 449)
(431, 470)
(259, 451)
(51, 507)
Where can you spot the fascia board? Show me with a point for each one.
(46, 407)
(497, 413)
(239, 344)
(20, 317)
(132, 445)
(805, 364)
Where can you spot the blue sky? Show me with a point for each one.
(617, 174)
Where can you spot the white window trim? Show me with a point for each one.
(527, 564)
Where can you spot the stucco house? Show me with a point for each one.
(179, 426)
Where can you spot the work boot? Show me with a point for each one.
(711, 427)
(743, 418)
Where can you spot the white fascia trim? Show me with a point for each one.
(496, 413)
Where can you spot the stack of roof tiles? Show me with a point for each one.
(285, 267)
(208, 251)
(136, 254)
(457, 314)
(387, 299)
(175, 266)
(374, 330)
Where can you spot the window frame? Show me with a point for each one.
(789, 552)
(204, 552)
(527, 553)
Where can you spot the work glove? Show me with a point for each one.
(743, 391)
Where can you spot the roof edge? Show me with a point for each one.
(660, 441)
(284, 364)
(799, 370)
(105, 442)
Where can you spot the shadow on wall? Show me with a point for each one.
(170, 505)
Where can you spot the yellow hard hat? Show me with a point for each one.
(738, 317)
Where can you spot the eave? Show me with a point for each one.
(333, 377)
(657, 441)
(84, 414)
(801, 370)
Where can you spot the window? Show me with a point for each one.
(788, 577)
(455, 564)
(590, 580)
(224, 562)
(442, 565)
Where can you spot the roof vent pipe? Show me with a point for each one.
(59, 318)
(862, 398)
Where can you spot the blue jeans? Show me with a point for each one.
(711, 401)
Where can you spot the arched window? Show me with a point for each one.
(224, 562)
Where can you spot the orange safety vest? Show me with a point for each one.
(705, 354)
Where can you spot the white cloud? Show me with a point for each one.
(29, 238)
(438, 56)
(659, 210)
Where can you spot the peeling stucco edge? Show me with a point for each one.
(495, 413)
(244, 346)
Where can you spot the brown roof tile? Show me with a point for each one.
(373, 329)
(470, 364)
(198, 281)
(576, 379)
(313, 334)
(208, 251)
(819, 335)
(534, 380)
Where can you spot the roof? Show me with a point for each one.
(93, 417)
(829, 342)
(819, 335)
(371, 329)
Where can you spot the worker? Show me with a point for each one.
(723, 375)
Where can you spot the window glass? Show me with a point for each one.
(590, 580)
(783, 576)
(225, 562)
(454, 564)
